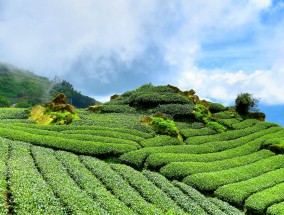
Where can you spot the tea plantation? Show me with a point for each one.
(111, 162)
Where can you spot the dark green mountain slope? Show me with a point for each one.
(26, 89)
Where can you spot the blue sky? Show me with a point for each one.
(219, 48)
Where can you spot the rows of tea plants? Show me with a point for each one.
(44, 181)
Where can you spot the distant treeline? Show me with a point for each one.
(25, 89)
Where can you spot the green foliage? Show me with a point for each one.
(245, 102)
(184, 201)
(276, 209)
(13, 113)
(179, 170)
(24, 104)
(212, 180)
(164, 126)
(175, 110)
(268, 197)
(191, 132)
(4, 147)
(91, 185)
(74, 199)
(276, 145)
(224, 206)
(199, 198)
(216, 107)
(24, 178)
(119, 187)
(186, 153)
(237, 193)
(77, 146)
(117, 109)
(161, 140)
(147, 189)
(4, 102)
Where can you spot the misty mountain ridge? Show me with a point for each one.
(24, 89)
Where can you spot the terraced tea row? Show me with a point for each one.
(57, 182)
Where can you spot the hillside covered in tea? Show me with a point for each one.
(153, 150)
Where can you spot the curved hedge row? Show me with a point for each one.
(77, 146)
(236, 193)
(147, 189)
(85, 137)
(161, 140)
(119, 187)
(74, 199)
(4, 147)
(30, 193)
(91, 185)
(212, 180)
(229, 135)
(276, 209)
(184, 152)
(203, 201)
(190, 132)
(178, 170)
(184, 201)
(268, 197)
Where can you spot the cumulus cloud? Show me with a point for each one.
(219, 48)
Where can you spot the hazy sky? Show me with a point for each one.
(219, 48)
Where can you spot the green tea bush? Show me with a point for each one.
(229, 135)
(276, 145)
(216, 107)
(153, 99)
(160, 140)
(77, 146)
(245, 124)
(268, 197)
(236, 193)
(117, 109)
(212, 180)
(84, 137)
(184, 201)
(184, 152)
(229, 122)
(14, 113)
(276, 209)
(4, 102)
(199, 198)
(147, 189)
(227, 208)
(164, 126)
(119, 187)
(91, 185)
(74, 199)
(4, 147)
(226, 115)
(31, 194)
(190, 132)
(175, 110)
(179, 170)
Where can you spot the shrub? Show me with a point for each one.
(188, 204)
(117, 109)
(227, 208)
(175, 110)
(91, 185)
(119, 187)
(215, 107)
(77, 146)
(161, 140)
(245, 102)
(75, 199)
(268, 197)
(179, 170)
(4, 102)
(199, 198)
(24, 178)
(237, 193)
(276, 209)
(190, 132)
(212, 180)
(146, 188)
(4, 145)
